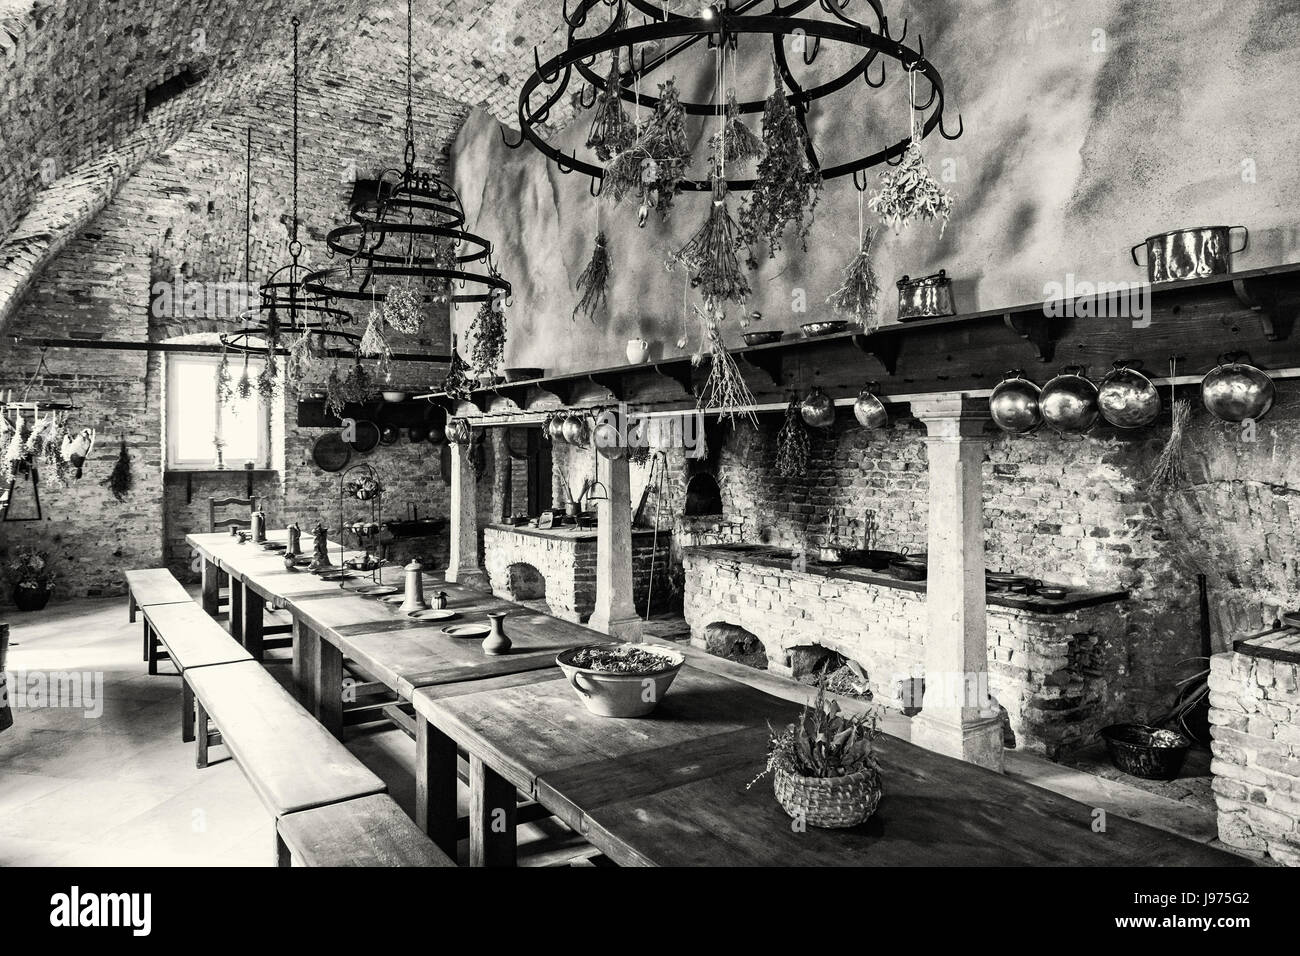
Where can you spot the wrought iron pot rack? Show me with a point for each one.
(721, 24)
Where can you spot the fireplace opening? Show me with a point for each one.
(735, 644)
(807, 663)
(525, 583)
(703, 496)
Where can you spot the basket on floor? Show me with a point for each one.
(828, 801)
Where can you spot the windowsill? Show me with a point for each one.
(173, 470)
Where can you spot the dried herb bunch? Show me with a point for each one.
(304, 355)
(335, 392)
(457, 382)
(358, 386)
(909, 191)
(489, 331)
(823, 742)
(653, 166)
(244, 387)
(793, 443)
(711, 253)
(736, 143)
(1170, 471)
(403, 309)
(611, 131)
(268, 381)
(58, 470)
(859, 290)
(788, 184)
(224, 389)
(120, 479)
(374, 343)
(593, 281)
(725, 388)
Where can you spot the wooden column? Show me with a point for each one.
(957, 717)
(615, 612)
(463, 566)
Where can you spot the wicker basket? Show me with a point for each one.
(828, 801)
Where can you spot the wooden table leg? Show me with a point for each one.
(237, 610)
(211, 587)
(187, 711)
(305, 648)
(254, 620)
(435, 785)
(318, 672)
(492, 802)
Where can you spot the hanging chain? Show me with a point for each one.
(410, 114)
(295, 247)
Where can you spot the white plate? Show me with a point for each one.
(433, 614)
(467, 630)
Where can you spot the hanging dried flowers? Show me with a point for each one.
(224, 390)
(725, 388)
(652, 168)
(489, 331)
(788, 184)
(859, 292)
(909, 191)
(792, 444)
(244, 388)
(335, 392)
(120, 480)
(403, 310)
(302, 359)
(736, 143)
(1170, 471)
(611, 131)
(593, 281)
(357, 387)
(14, 453)
(58, 470)
(457, 383)
(711, 253)
(373, 342)
(268, 382)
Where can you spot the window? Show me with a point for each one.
(202, 432)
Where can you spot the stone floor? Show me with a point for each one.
(122, 789)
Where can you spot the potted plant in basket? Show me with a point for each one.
(824, 768)
(32, 577)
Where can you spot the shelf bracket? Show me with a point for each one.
(767, 361)
(1277, 314)
(611, 382)
(1036, 329)
(561, 391)
(679, 372)
(882, 347)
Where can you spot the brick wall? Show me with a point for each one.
(1255, 719)
(183, 214)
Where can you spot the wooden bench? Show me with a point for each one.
(368, 831)
(292, 762)
(191, 639)
(146, 587)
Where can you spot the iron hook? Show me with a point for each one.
(509, 144)
(548, 80)
(926, 105)
(860, 186)
(590, 88)
(895, 162)
(816, 48)
(961, 128)
(866, 75)
(884, 25)
(595, 189)
(560, 164)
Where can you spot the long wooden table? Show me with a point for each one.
(332, 623)
(668, 789)
(672, 789)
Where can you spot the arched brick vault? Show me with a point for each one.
(74, 76)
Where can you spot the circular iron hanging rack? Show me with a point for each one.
(284, 306)
(411, 231)
(721, 24)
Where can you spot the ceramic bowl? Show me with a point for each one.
(621, 695)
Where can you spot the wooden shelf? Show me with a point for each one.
(1195, 320)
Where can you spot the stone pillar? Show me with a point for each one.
(463, 567)
(957, 717)
(615, 612)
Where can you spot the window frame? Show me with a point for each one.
(174, 462)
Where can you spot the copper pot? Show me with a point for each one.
(1127, 398)
(608, 440)
(1190, 253)
(1234, 390)
(576, 430)
(817, 409)
(869, 410)
(1069, 401)
(1014, 405)
(555, 427)
(925, 297)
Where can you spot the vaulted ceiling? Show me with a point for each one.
(78, 115)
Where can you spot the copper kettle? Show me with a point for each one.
(1235, 390)
(817, 409)
(869, 410)
(1014, 404)
(1069, 401)
(1127, 398)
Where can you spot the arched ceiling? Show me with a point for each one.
(75, 76)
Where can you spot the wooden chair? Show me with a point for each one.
(225, 524)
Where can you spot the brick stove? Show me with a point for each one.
(559, 565)
(1049, 662)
